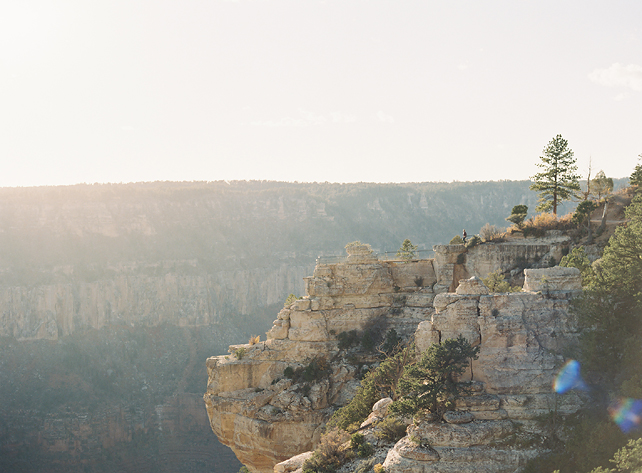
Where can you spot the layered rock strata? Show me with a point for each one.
(521, 337)
(266, 419)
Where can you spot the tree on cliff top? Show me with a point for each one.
(558, 181)
(636, 176)
(407, 250)
(518, 215)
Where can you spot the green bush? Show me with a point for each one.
(329, 454)
(578, 259)
(495, 283)
(517, 215)
(473, 241)
(456, 240)
(391, 343)
(356, 440)
(365, 466)
(316, 370)
(431, 384)
(240, 352)
(288, 372)
(391, 429)
(382, 381)
(367, 341)
(365, 450)
(290, 299)
(347, 339)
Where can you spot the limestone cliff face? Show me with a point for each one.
(266, 419)
(521, 337)
(134, 298)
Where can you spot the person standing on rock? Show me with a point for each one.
(464, 235)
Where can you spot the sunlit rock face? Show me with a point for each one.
(520, 338)
(267, 419)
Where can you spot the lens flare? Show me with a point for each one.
(569, 378)
(627, 414)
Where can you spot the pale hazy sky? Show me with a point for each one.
(311, 90)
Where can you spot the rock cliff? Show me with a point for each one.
(131, 295)
(267, 418)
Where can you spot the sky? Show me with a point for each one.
(312, 90)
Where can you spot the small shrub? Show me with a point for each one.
(457, 240)
(391, 429)
(365, 450)
(473, 241)
(329, 455)
(367, 341)
(490, 233)
(356, 440)
(347, 339)
(391, 343)
(365, 466)
(530, 231)
(254, 339)
(316, 370)
(288, 372)
(289, 300)
(239, 353)
(244, 470)
(578, 259)
(378, 468)
(495, 283)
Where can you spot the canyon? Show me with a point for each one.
(113, 295)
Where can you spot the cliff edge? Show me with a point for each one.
(269, 401)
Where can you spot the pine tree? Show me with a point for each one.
(432, 383)
(612, 304)
(517, 215)
(558, 181)
(636, 176)
(407, 250)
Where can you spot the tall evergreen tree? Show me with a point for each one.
(612, 304)
(558, 181)
(636, 176)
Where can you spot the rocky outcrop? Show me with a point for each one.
(520, 337)
(266, 419)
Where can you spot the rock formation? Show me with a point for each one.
(266, 418)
